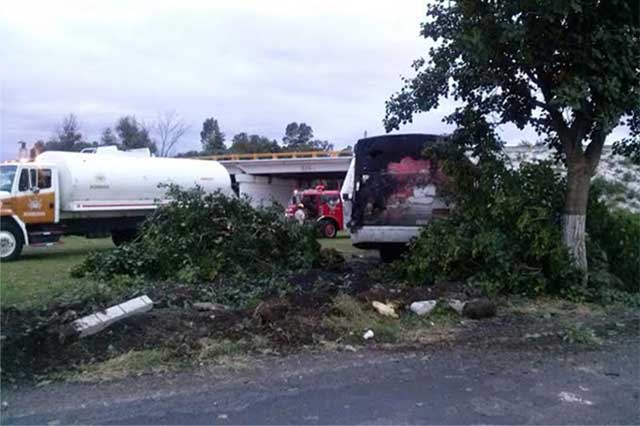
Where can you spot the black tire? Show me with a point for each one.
(123, 236)
(328, 228)
(10, 234)
(392, 252)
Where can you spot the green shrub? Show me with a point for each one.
(613, 243)
(197, 237)
(504, 234)
(504, 230)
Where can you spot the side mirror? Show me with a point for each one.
(35, 189)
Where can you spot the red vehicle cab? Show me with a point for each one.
(318, 206)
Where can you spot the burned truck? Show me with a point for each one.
(391, 190)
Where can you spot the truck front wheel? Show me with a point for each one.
(328, 229)
(123, 236)
(11, 242)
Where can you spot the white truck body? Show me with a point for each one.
(111, 182)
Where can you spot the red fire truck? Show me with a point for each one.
(320, 206)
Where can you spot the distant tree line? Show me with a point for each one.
(297, 137)
(163, 136)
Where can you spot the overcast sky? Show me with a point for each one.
(253, 65)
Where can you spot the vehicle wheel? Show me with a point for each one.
(123, 236)
(328, 229)
(11, 242)
(391, 253)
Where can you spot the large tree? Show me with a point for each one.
(108, 137)
(170, 128)
(67, 136)
(133, 134)
(299, 137)
(243, 143)
(569, 68)
(211, 137)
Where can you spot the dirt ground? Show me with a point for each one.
(307, 316)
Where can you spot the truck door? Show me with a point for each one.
(36, 200)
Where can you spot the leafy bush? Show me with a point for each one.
(613, 242)
(199, 236)
(504, 233)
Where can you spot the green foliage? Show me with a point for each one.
(211, 137)
(614, 243)
(199, 237)
(243, 143)
(503, 235)
(299, 137)
(351, 320)
(630, 147)
(567, 68)
(68, 137)
(513, 58)
(581, 334)
(133, 134)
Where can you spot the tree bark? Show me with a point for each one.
(575, 211)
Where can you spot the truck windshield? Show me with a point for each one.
(7, 174)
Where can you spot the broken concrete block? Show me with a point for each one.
(94, 323)
(385, 309)
(135, 305)
(88, 325)
(423, 307)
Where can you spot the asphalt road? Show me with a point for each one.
(380, 387)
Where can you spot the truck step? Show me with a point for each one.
(43, 238)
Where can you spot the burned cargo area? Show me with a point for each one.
(394, 184)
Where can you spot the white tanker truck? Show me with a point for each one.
(91, 194)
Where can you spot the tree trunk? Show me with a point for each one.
(575, 211)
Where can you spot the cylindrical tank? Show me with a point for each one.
(89, 182)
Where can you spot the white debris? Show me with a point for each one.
(208, 306)
(386, 309)
(572, 397)
(457, 305)
(94, 323)
(368, 335)
(423, 307)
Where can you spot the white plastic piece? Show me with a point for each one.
(423, 307)
(457, 305)
(368, 335)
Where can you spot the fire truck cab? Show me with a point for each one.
(319, 206)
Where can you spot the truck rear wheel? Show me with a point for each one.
(123, 236)
(11, 242)
(328, 228)
(392, 252)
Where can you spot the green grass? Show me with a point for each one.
(342, 243)
(42, 274)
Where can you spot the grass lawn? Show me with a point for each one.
(342, 243)
(43, 273)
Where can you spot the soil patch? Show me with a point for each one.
(33, 345)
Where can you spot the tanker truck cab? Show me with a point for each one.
(100, 194)
(29, 203)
